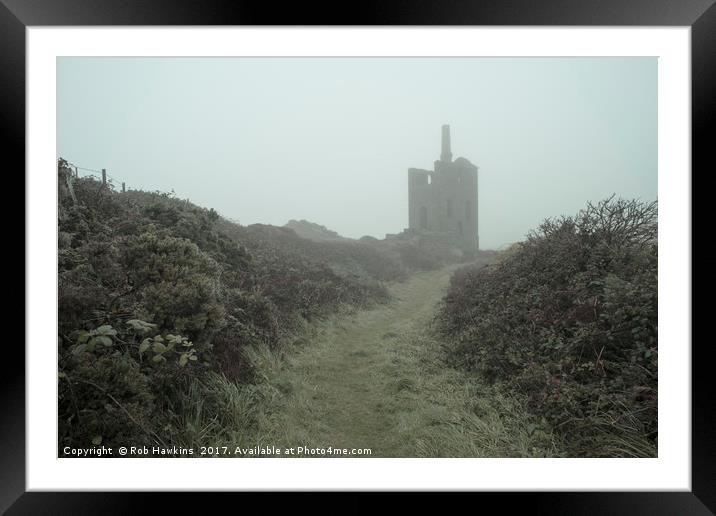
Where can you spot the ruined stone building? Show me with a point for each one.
(444, 200)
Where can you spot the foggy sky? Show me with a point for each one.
(330, 140)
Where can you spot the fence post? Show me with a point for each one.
(123, 187)
(68, 181)
(104, 177)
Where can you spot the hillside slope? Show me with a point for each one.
(315, 232)
(155, 292)
(158, 296)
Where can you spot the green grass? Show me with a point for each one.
(377, 379)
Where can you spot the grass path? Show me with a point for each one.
(376, 379)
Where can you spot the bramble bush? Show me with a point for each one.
(569, 317)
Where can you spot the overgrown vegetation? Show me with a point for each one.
(178, 327)
(569, 318)
(166, 307)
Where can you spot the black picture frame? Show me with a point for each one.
(700, 15)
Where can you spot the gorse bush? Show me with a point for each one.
(569, 317)
(177, 286)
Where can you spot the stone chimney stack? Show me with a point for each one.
(446, 154)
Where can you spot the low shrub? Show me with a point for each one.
(569, 317)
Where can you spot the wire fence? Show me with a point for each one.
(99, 175)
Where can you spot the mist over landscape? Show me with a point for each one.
(329, 140)
(308, 257)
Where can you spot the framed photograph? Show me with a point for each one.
(424, 249)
